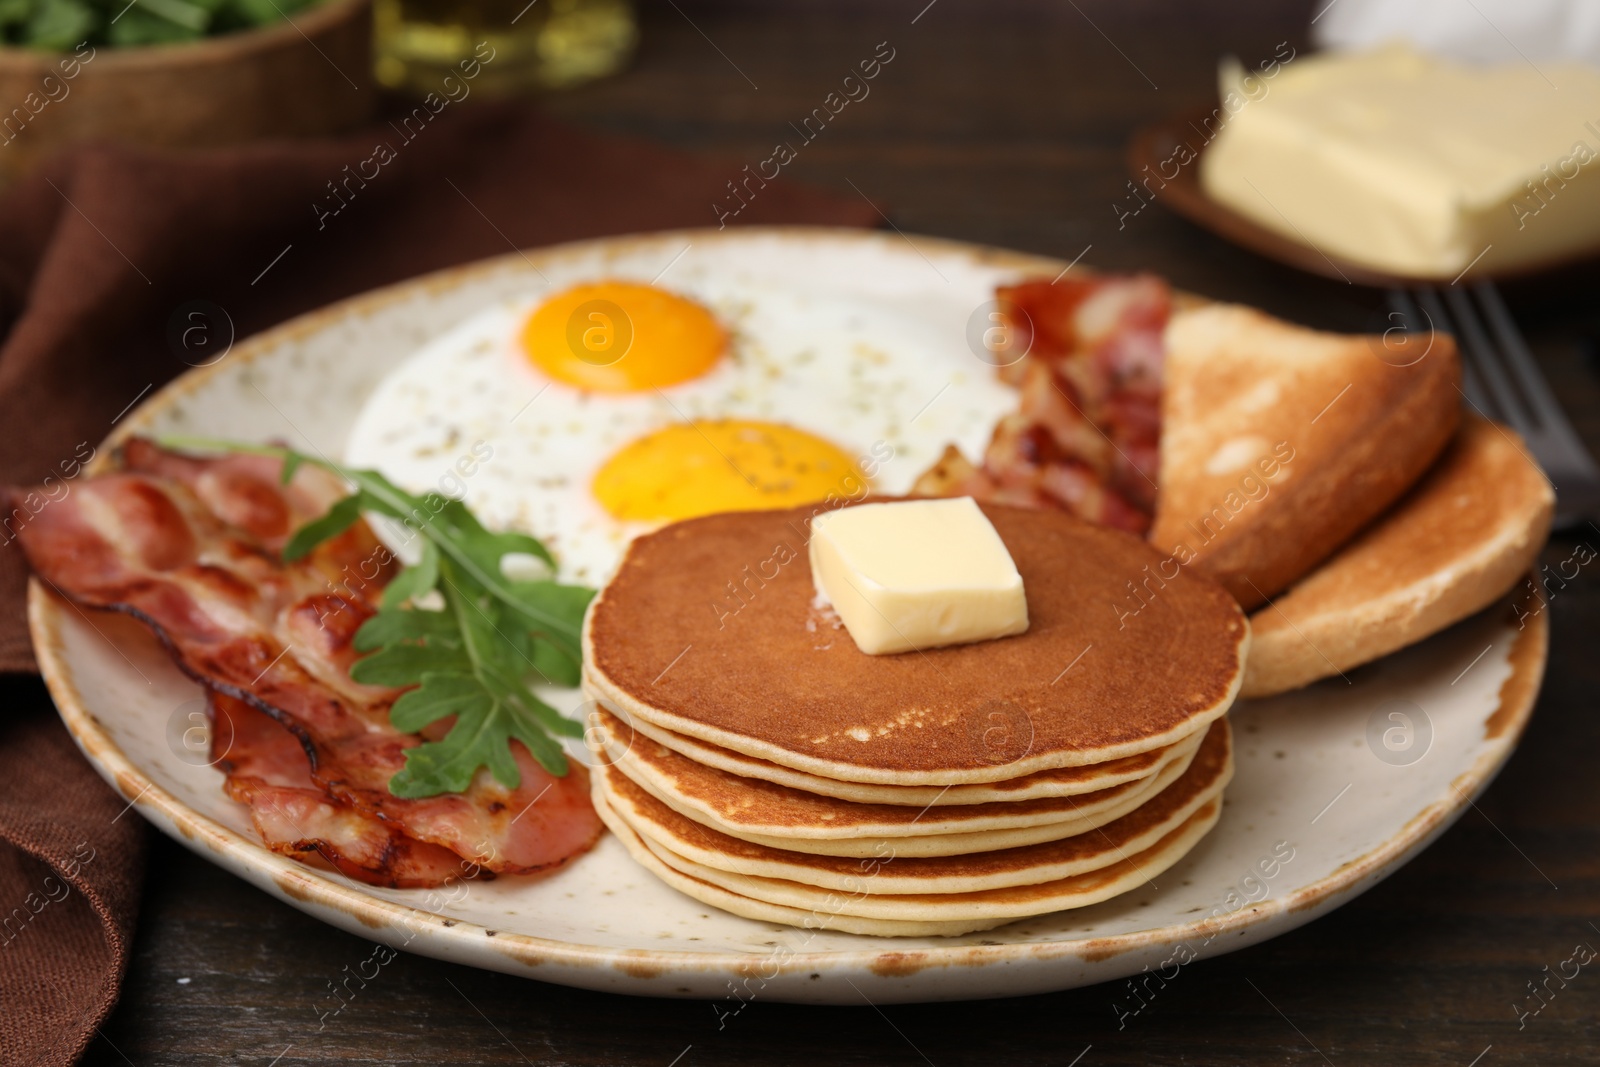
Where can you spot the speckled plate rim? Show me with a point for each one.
(586, 965)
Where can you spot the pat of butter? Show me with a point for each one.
(1410, 164)
(916, 574)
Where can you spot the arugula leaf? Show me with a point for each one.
(405, 662)
(475, 551)
(469, 660)
(291, 463)
(336, 521)
(568, 603)
(439, 695)
(489, 547)
(453, 531)
(555, 666)
(471, 672)
(414, 583)
(394, 624)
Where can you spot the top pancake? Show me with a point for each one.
(1099, 675)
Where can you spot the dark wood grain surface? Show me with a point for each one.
(1003, 124)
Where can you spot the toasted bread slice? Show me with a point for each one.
(1278, 443)
(1457, 541)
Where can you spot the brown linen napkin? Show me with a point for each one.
(102, 256)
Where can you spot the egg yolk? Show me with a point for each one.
(702, 467)
(622, 337)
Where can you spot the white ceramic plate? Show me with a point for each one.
(1332, 792)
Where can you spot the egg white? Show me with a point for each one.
(470, 416)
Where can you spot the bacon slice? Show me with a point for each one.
(1085, 356)
(269, 773)
(190, 547)
(241, 489)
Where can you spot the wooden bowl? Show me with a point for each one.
(301, 78)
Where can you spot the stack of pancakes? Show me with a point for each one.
(752, 757)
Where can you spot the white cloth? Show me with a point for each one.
(1476, 31)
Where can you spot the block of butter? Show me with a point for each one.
(916, 574)
(1414, 165)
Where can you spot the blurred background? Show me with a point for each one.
(1006, 122)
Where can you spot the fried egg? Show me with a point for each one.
(622, 337)
(603, 408)
(712, 465)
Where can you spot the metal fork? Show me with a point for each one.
(1502, 381)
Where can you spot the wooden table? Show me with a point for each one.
(1003, 125)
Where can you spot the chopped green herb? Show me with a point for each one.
(56, 25)
(62, 25)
